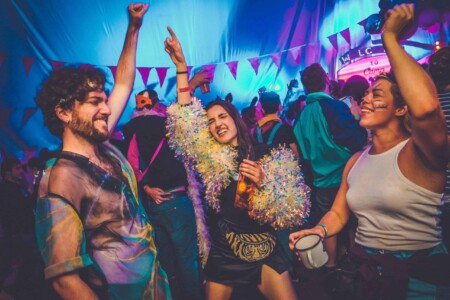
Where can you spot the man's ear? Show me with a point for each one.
(401, 111)
(65, 115)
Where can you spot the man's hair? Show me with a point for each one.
(243, 135)
(439, 66)
(8, 164)
(152, 95)
(248, 116)
(62, 88)
(355, 87)
(314, 79)
(270, 102)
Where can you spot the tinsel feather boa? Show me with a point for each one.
(282, 203)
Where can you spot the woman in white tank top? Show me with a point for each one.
(395, 186)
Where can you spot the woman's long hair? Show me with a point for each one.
(245, 141)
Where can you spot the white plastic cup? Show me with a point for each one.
(311, 251)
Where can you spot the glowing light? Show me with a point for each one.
(369, 67)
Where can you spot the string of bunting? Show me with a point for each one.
(254, 62)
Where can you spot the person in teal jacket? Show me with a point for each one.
(327, 135)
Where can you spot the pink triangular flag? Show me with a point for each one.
(433, 28)
(2, 58)
(189, 69)
(232, 65)
(210, 70)
(113, 71)
(29, 111)
(363, 23)
(276, 57)
(162, 72)
(333, 40)
(346, 35)
(144, 73)
(27, 63)
(89, 67)
(57, 64)
(295, 52)
(254, 62)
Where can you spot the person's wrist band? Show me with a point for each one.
(325, 230)
(184, 89)
(184, 105)
(181, 72)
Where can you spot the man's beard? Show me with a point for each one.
(87, 130)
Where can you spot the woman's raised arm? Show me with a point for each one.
(173, 48)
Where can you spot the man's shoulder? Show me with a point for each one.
(67, 165)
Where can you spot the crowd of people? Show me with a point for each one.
(199, 201)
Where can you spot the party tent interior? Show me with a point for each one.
(243, 44)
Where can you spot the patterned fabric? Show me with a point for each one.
(90, 220)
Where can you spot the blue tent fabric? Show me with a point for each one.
(211, 32)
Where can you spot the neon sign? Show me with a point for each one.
(355, 54)
(368, 67)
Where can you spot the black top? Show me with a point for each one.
(166, 172)
(235, 217)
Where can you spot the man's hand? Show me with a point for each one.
(201, 77)
(137, 12)
(397, 19)
(173, 48)
(157, 194)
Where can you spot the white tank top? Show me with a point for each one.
(393, 213)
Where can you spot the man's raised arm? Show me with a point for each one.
(126, 68)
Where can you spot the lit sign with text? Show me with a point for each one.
(368, 67)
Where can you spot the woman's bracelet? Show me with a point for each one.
(184, 89)
(181, 72)
(325, 230)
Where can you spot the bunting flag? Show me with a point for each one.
(27, 63)
(189, 69)
(363, 23)
(162, 72)
(2, 58)
(28, 112)
(232, 65)
(346, 35)
(113, 71)
(145, 72)
(333, 40)
(295, 52)
(254, 62)
(56, 65)
(210, 70)
(276, 57)
(433, 28)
